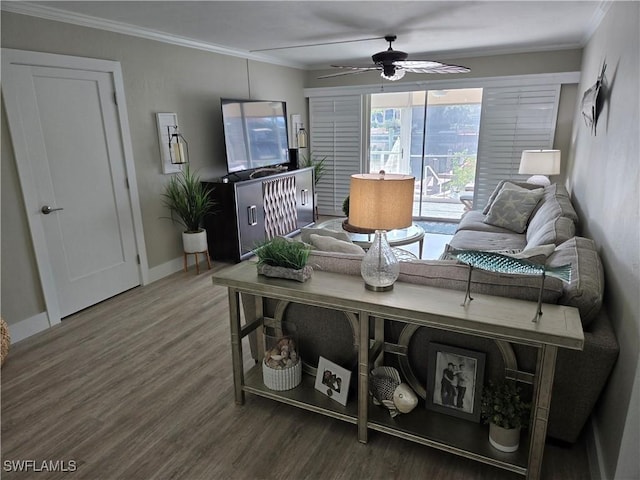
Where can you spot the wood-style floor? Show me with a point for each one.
(140, 387)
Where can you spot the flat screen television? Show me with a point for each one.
(255, 134)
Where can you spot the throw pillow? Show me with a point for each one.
(330, 244)
(509, 184)
(512, 208)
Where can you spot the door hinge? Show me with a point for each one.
(126, 182)
(115, 98)
(138, 258)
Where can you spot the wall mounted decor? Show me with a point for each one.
(167, 122)
(593, 101)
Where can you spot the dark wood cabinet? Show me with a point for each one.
(251, 211)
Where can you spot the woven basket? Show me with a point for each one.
(5, 340)
(282, 379)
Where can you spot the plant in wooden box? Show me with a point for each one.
(189, 201)
(284, 258)
(503, 408)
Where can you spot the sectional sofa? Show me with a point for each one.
(543, 232)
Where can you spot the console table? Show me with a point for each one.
(501, 319)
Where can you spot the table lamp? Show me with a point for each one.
(540, 163)
(380, 202)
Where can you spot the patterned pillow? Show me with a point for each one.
(508, 184)
(512, 208)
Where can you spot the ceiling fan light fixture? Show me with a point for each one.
(393, 65)
(392, 74)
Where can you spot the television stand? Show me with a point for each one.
(248, 212)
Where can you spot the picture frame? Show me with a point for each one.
(454, 381)
(333, 380)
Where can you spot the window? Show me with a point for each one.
(363, 130)
(513, 119)
(432, 135)
(336, 135)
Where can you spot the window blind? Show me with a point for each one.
(513, 119)
(336, 135)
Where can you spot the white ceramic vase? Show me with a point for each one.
(504, 439)
(194, 242)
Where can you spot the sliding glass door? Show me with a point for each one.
(432, 135)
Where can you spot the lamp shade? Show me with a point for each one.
(540, 162)
(381, 201)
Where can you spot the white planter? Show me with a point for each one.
(282, 379)
(194, 242)
(504, 439)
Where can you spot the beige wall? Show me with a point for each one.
(158, 77)
(603, 174)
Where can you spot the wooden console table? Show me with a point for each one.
(497, 318)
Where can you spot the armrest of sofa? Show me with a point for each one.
(580, 378)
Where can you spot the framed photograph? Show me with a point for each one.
(454, 381)
(333, 380)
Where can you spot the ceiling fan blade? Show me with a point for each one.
(430, 66)
(441, 68)
(417, 64)
(351, 71)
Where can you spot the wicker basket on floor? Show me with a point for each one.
(5, 340)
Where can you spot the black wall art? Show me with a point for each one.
(593, 101)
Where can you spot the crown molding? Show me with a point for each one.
(55, 14)
(596, 19)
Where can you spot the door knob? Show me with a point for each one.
(47, 209)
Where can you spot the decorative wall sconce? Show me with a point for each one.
(299, 136)
(178, 146)
(174, 149)
(302, 137)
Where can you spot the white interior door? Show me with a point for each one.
(67, 135)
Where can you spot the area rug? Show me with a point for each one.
(443, 228)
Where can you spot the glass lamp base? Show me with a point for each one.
(379, 267)
(376, 288)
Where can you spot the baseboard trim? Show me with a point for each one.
(36, 324)
(165, 269)
(594, 451)
(28, 327)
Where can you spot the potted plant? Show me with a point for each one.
(319, 167)
(345, 206)
(189, 201)
(503, 408)
(283, 258)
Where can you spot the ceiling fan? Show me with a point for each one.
(393, 65)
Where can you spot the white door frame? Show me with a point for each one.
(27, 181)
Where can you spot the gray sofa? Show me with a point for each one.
(548, 237)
